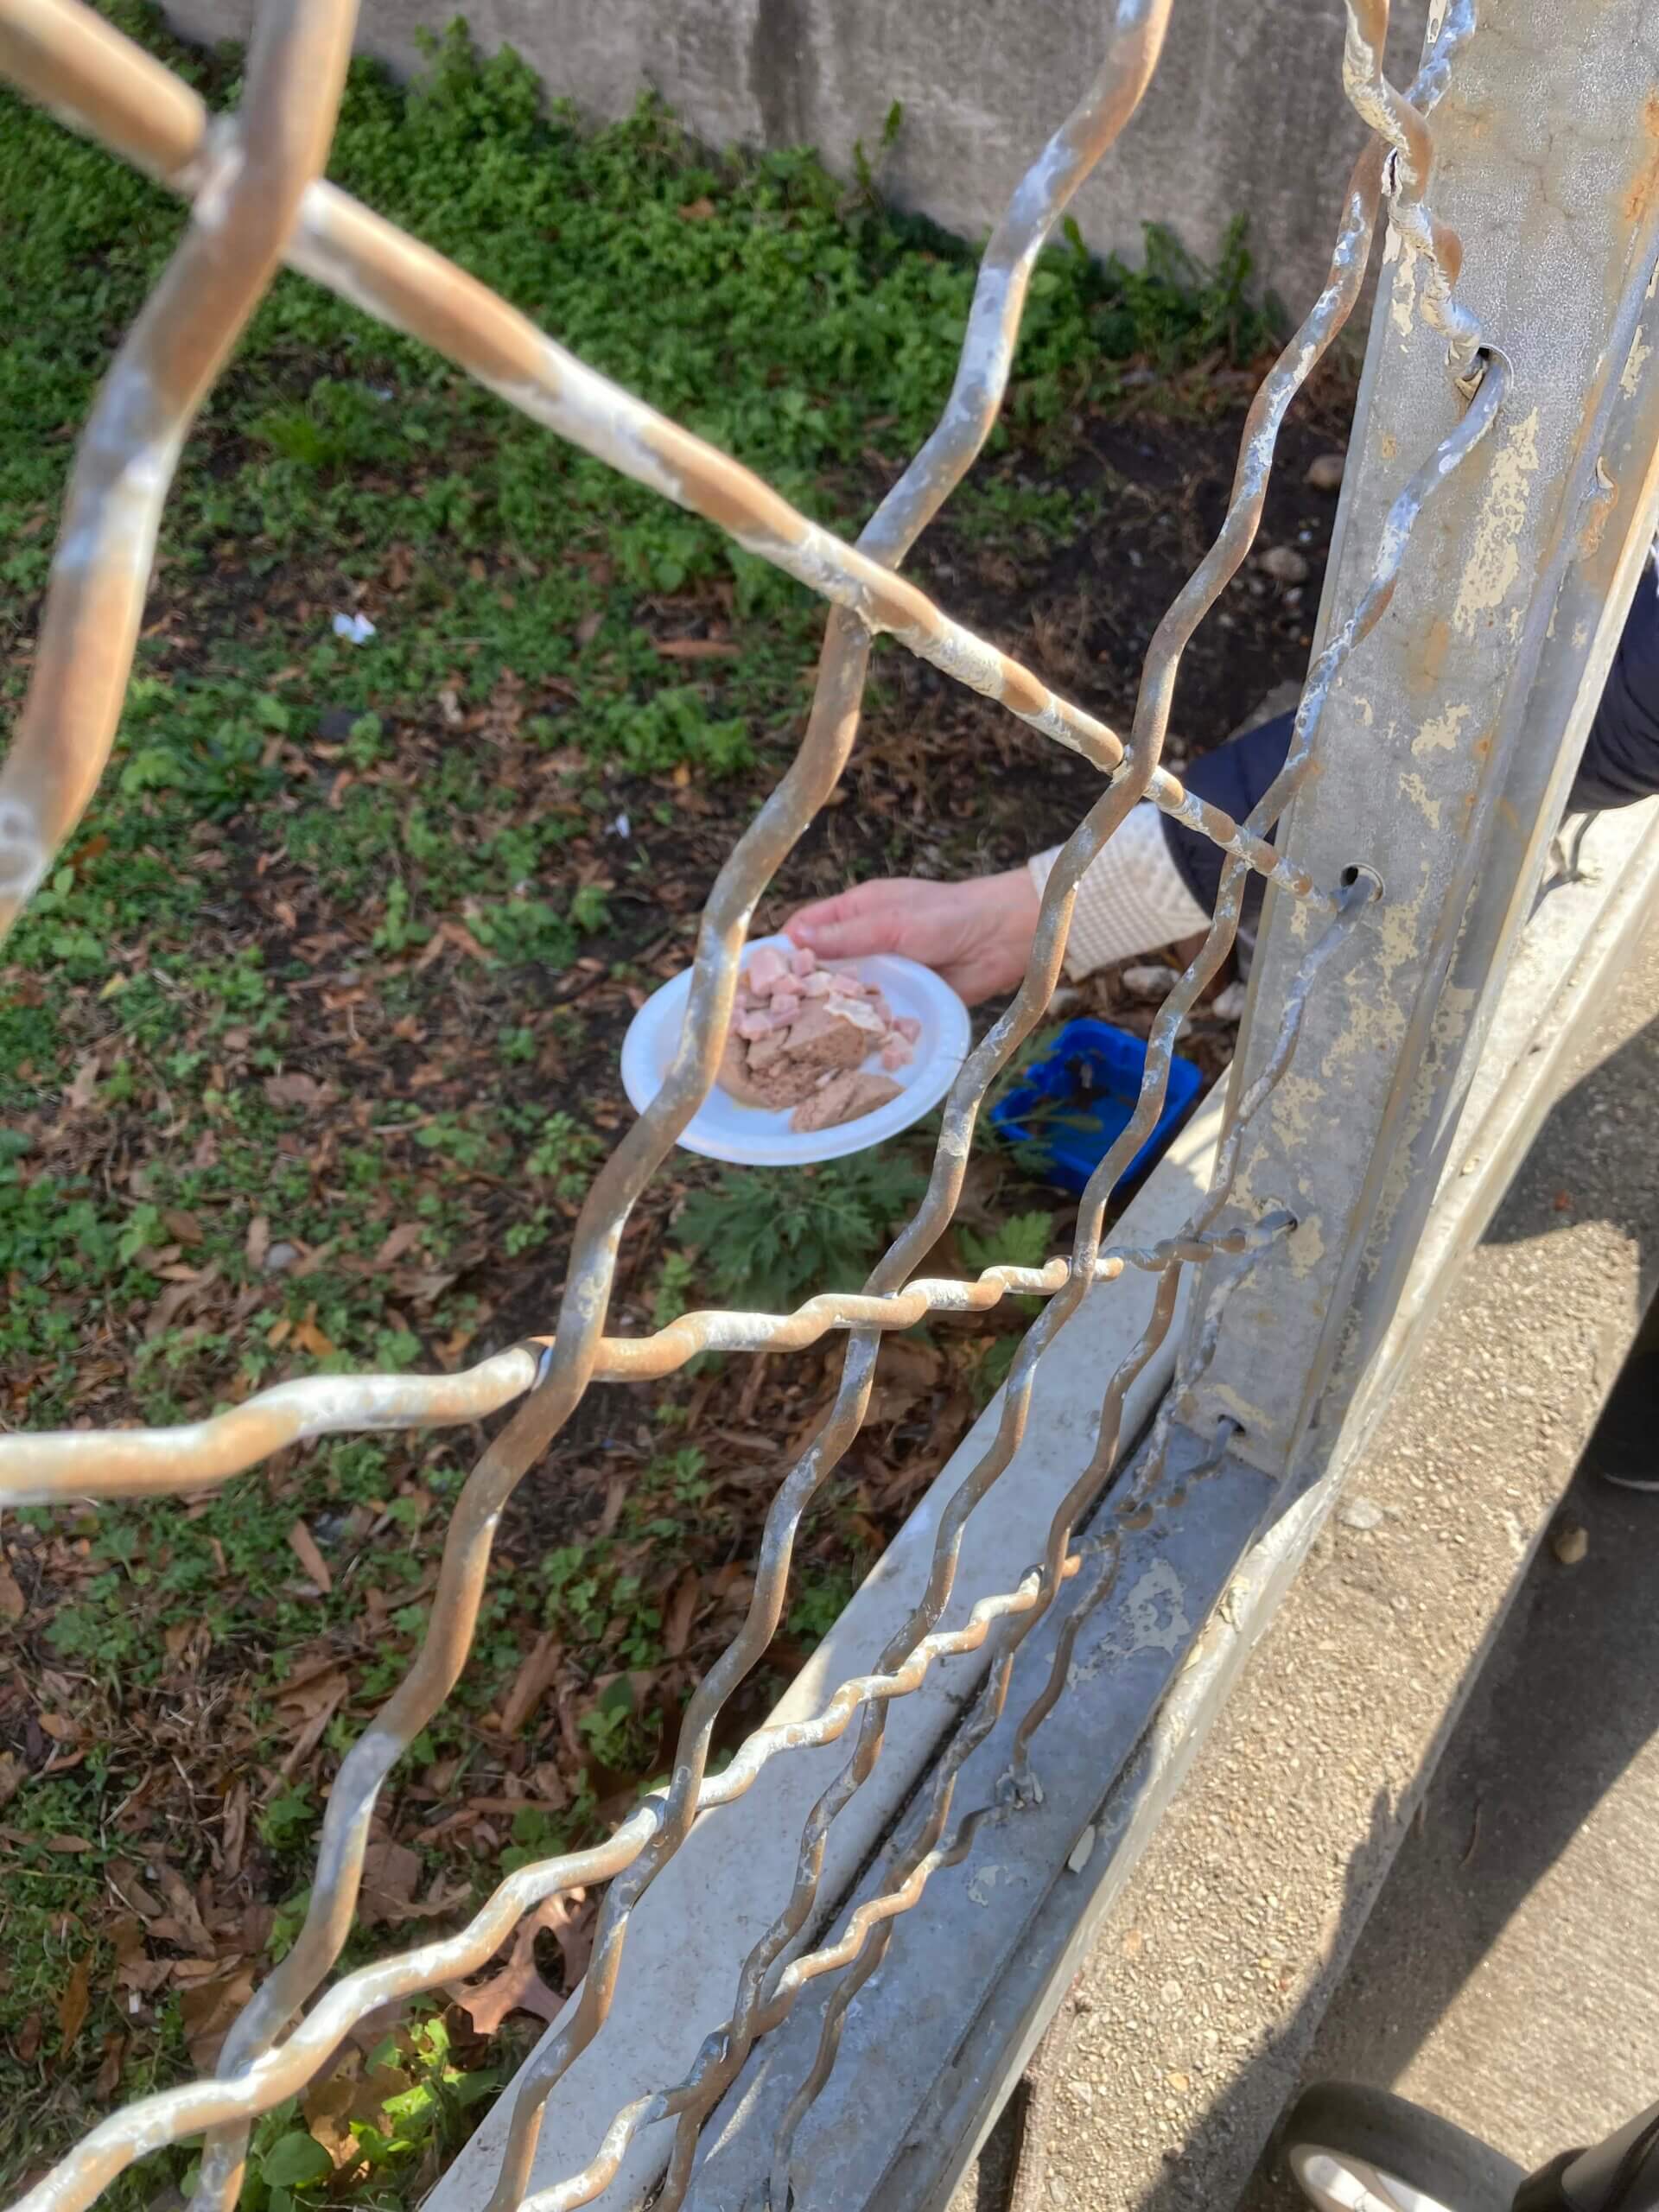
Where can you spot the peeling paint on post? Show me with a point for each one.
(1452, 733)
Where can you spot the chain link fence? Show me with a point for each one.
(257, 200)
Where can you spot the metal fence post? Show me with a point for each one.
(1448, 740)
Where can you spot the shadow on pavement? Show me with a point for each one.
(1568, 1698)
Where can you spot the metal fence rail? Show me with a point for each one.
(257, 199)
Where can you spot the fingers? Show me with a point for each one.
(870, 918)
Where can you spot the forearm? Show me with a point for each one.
(1133, 898)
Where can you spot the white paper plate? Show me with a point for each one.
(721, 1129)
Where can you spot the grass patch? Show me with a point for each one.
(308, 1046)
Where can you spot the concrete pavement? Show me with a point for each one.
(1511, 1973)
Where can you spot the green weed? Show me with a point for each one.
(766, 1239)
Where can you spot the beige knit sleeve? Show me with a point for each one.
(1133, 898)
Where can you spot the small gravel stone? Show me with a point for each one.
(1284, 564)
(1325, 474)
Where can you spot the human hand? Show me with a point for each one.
(977, 935)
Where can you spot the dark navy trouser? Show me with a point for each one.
(1620, 763)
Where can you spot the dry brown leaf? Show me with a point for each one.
(13, 1605)
(616, 1496)
(311, 1339)
(183, 1912)
(257, 1242)
(109, 2072)
(233, 1831)
(133, 1968)
(84, 1088)
(68, 1843)
(297, 1088)
(697, 648)
(406, 1236)
(391, 1872)
(518, 1987)
(11, 1775)
(535, 1678)
(207, 2007)
(679, 1613)
(124, 1880)
(58, 1726)
(303, 1545)
(310, 1736)
(29, 2040)
(316, 1693)
(76, 1999)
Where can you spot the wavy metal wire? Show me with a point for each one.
(63, 55)
(1400, 121)
(1368, 611)
(753, 2014)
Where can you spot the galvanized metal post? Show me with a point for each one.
(1450, 736)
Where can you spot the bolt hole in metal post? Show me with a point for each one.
(1359, 876)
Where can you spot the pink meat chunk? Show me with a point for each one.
(801, 1035)
(736, 1077)
(770, 1049)
(846, 1098)
(821, 1040)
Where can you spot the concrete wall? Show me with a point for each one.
(1246, 111)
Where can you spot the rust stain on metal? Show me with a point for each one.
(1644, 188)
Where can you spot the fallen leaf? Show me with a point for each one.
(11, 1775)
(403, 1238)
(134, 1968)
(84, 1088)
(29, 2040)
(697, 211)
(13, 1605)
(303, 1545)
(297, 1088)
(58, 1726)
(109, 2072)
(68, 1843)
(124, 1881)
(311, 1339)
(191, 1932)
(73, 2005)
(518, 1987)
(697, 648)
(257, 1242)
(391, 1872)
(678, 1614)
(233, 1831)
(314, 1689)
(535, 1677)
(311, 1735)
(206, 2009)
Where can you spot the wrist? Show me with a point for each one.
(1013, 903)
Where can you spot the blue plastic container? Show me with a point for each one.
(1090, 1077)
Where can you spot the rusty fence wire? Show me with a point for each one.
(257, 199)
